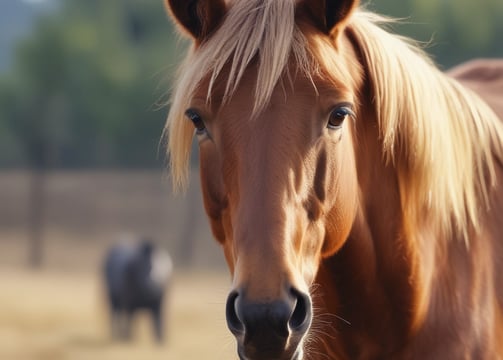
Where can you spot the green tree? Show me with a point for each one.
(452, 30)
(84, 85)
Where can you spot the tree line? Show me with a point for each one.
(88, 87)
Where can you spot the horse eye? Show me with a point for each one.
(197, 120)
(338, 115)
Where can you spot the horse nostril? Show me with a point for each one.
(233, 322)
(269, 322)
(302, 313)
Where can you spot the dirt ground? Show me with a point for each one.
(52, 315)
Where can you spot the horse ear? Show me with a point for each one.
(331, 15)
(198, 18)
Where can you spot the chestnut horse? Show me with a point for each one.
(355, 189)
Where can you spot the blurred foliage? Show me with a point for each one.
(453, 31)
(86, 85)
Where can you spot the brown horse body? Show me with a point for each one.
(354, 188)
(485, 77)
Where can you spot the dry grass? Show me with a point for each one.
(59, 314)
(51, 315)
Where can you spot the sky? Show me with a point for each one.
(16, 21)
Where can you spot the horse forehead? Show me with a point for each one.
(293, 96)
(282, 123)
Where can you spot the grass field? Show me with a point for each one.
(51, 315)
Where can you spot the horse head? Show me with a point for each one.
(275, 124)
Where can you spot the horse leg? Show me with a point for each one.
(157, 321)
(114, 324)
(121, 322)
(127, 320)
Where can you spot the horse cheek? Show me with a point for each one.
(340, 218)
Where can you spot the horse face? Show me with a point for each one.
(280, 191)
(279, 182)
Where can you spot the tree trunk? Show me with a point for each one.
(36, 220)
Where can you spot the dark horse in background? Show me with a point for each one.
(356, 190)
(137, 278)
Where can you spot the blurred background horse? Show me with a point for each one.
(137, 277)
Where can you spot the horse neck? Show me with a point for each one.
(388, 288)
(389, 280)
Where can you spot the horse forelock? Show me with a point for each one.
(253, 30)
(264, 32)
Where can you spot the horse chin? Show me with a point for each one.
(295, 354)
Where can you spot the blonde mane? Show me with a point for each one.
(446, 136)
(441, 137)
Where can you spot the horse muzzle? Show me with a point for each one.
(269, 330)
